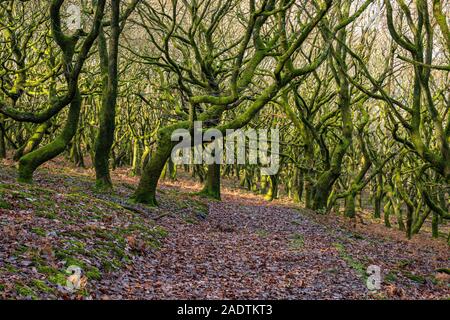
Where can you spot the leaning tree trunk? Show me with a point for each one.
(34, 141)
(146, 190)
(420, 221)
(31, 161)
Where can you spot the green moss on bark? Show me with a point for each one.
(31, 161)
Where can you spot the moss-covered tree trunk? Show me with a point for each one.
(420, 221)
(263, 184)
(2, 138)
(76, 152)
(136, 167)
(107, 116)
(378, 196)
(272, 190)
(144, 158)
(31, 161)
(350, 208)
(387, 214)
(33, 142)
(299, 181)
(435, 225)
(172, 170)
(399, 214)
(324, 185)
(212, 183)
(72, 69)
(357, 184)
(322, 189)
(146, 190)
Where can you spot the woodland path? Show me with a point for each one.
(241, 248)
(247, 248)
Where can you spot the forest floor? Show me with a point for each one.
(193, 248)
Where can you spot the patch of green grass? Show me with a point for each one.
(160, 232)
(58, 278)
(70, 261)
(110, 265)
(352, 262)
(79, 234)
(103, 234)
(4, 205)
(11, 268)
(46, 214)
(404, 263)
(94, 274)
(39, 231)
(118, 251)
(47, 270)
(443, 270)
(41, 286)
(20, 194)
(62, 254)
(154, 244)
(36, 258)
(391, 277)
(414, 277)
(262, 233)
(332, 270)
(25, 291)
(21, 249)
(357, 236)
(182, 205)
(190, 220)
(200, 206)
(77, 246)
(297, 241)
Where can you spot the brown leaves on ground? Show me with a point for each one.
(240, 248)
